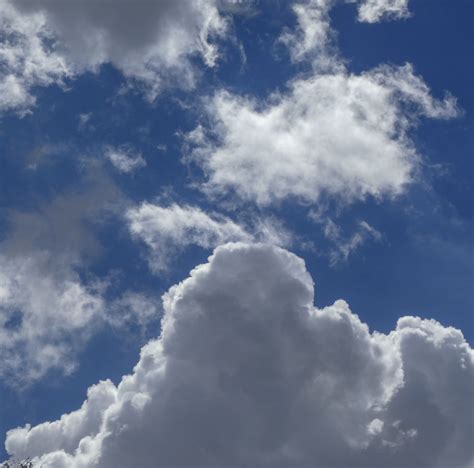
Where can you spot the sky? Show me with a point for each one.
(236, 233)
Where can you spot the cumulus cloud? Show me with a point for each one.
(151, 43)
(125, 159)
(248, 372)
(339, 134)
(330, 134)
(168, 230)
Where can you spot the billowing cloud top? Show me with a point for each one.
(247, 372)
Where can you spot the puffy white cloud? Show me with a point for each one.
(66, 433)
(434, 409)
(247, 372)
(152, 43)
(168, 230)
(373, 11)
(339, 135)
(332, 134)
(124, 159)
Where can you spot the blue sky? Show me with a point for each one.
(111, 191)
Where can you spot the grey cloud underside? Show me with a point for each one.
(151, 42)
(247, 372)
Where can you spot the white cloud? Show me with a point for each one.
(124, 159)
(168, 230)
(313, 37)
(247, 372)
(314, 40)
(373, 11)
(45, 315)
(48, 313)
(28, 58)
(151, 43)
(340, 135)
(48, 307)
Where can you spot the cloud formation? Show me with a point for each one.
(26, 59)
(151, 43)
(314, 40)
(49, 305)
(125, 159)
(344, 246)
(168, 230)
(45, 315)
(373, 11)
(48, 313)
(247, 372)
(339, 134)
